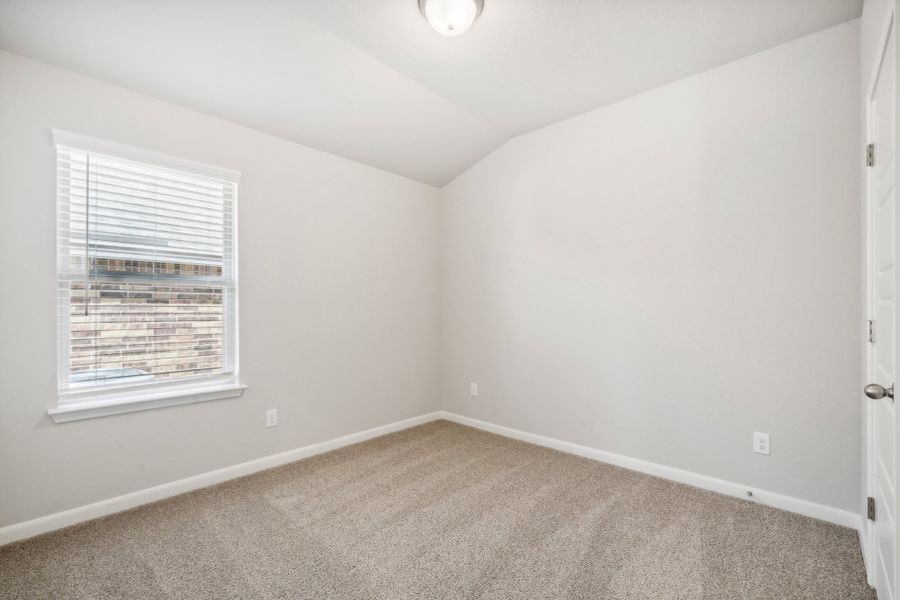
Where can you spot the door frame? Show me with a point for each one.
(868, 539)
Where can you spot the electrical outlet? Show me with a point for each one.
(473, 389)
(272, 417)
(761, 442)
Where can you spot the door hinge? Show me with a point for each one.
(870, 155)
(870, 508)
(871, 325)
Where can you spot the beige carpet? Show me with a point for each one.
(442, 511)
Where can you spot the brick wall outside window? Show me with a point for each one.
(151, 322)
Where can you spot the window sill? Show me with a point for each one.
(104, 405)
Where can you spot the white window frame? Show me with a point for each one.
(102, 400)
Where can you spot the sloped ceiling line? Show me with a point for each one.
(370, 81)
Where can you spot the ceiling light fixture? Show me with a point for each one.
(451, 17)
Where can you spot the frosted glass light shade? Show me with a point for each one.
(451, 17)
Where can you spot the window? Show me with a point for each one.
(147, 280)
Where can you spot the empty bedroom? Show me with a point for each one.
(449, 299)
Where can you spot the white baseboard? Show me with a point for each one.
(27, 529)
(19, 531)
(729, 488)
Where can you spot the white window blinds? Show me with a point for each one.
(147, 284)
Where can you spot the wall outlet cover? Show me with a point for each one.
(761, 443)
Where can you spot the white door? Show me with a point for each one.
(882, 271)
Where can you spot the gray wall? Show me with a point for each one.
(664, 276)
(658, 278)
(338, 299)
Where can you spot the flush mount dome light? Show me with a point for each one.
(450, 17)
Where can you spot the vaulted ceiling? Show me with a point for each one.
(369, 80)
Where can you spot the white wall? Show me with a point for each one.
(657, 278)
(661, 277)
(339, 285)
